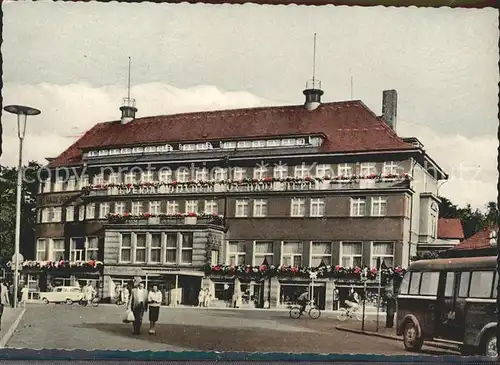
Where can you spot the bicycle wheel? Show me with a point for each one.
(314, 313)
(295, 312)
(95, 303)
(342, 316)
(359, 316)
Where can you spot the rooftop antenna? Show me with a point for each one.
(313, 90)
(352, 87)
(128, 108)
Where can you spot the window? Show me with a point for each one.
(201, 174)
(130, 178)
(214, 257)
(114, 178)
(58, 185)
(140, 247)
(172, 207)
(188, 147)
(81, 213)
(261, 251)
(92, 248)
(301, 171)
(258, 144)
(236, 253)
(292, 253)
(103, 210)
(351, 254)
(241, 208)
(51, 215)
(126, 247)
(480, 284)
(384, 250)
(125, 151)
(187, 248)
(260, 172)
(171, 248)
(147, 176)
(391, 168)
(280, 171)
(368, 168)
(449, 287)
(228, 145)
(71, 184)
(154, 207)
(495, 287)
(429, 284)
(183, 174)
(191, 206)
(220, 174)
(204, 146)
(120, 207)
(58, 249)
(405, 283)
(379, 206)
(84, 180)
(77, 249)
(321, 251)
(463, 290)
(41, 250)
(259, 207)
(300, 141)
(70, 213)
(165, 175)
(155, 252)
(273, 143)
(114, 151)
(239, 173)
(56, 214)
(288, 142)
(137, 208)
(98, 179)
(317, 207)
(345, 170)
(323, 170)
(45, 215)
(415, 283)
(211, 207)
(298, 207)
(164, 148)
(358, 207)
(244, 144)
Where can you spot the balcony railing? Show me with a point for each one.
(249, 185)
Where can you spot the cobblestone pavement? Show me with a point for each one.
(70, 327)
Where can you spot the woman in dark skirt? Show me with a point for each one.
(154, 302)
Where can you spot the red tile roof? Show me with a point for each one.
(450, 228)
(478, 241)
(349, 126)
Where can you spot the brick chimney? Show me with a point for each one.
(390, 108)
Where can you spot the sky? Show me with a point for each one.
(70, 60)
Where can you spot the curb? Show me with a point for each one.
(393, 337)
(12, 329)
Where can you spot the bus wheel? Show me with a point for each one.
(411, 339)
(490, 345)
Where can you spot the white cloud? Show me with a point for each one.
(69, 110)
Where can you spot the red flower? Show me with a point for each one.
(374, 270)
(357, 270)
(295, 269)
(216, 268)
(174, 182)
(338, 267)
(263, 268)
(307, 178)
(129, 185)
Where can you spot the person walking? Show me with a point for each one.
(207, 298)
(125, 295)
(201, 298)
(88, 293)
(24, 295)
(4, 300)
(138, 304)
(154, 302)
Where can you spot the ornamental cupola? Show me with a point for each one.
(313, 90)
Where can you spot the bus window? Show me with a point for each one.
(495, 286)
(429, 285)
(449, 285)
(480, 286)
(414, 283)
(464, 284)
(403, 288)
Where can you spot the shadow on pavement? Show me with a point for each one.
(203, 338)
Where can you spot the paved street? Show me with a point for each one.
(76, 327)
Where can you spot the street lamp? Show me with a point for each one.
(22, 113)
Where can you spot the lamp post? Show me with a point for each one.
(22, 113)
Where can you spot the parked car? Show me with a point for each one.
(61, 294)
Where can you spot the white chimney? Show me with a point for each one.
(390, 108)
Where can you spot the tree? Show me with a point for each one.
(8, 185)
(447, 209)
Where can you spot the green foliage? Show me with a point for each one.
(8, 184)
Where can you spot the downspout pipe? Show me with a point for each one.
(411, 218)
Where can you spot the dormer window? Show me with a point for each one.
(204, 146)
(258, 144)
(103, 152)
(273, 143)
(150, 149)
(137, 150)
(288, 142)
(164, 148)
(228, 145)
(188, 147)
(125, 151)
(92, 153)
(245, 144)
(300, 141)
(315, 141)
(114, 151)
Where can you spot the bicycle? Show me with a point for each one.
(94, 302)
(345, 313)
(313, 312)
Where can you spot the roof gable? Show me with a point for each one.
(480, 240)
(450, 228)
(348, 127)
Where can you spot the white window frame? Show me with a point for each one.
(391, 168)
(114, 151)
(323, 170)
(155, 207)
(70, 213)
(220, 174)
(236, 254)
(288, 142)
(57, 253)
(240, 206)
(228, 145)
(345, 170)
(90, 211)
(280, 171)
(377, 202)
(258, 144)
(41, 253)
(126, 248)
(165, 175)
(125, 151)
(152, 248)
(300, 205)
(137, 208)
(239, 173)
(183, 249)
(273, 143)
(244, 144)
(320, 205)
(191, 206)
(46, 215)
(260, 172)
(104, 209)
(258, 257)
(291, 256)
(114, 178)
(120, 207)
(351, 257)
(74, 253)
(367, 169)
(164, 148)
(201, 174)
(188, 147)
(138, 248)
(373, 256)
(147, 176)
(175, 248)
(71, 185)
(98, 179)
(260, 208)
(56, 215)
(301, 171)
(300, 141)
(322, 256)
(211, 207)
(150, 149)
(183, 174)
(81, 212)
(91, 253)
(356, 204)
(130, 178)
(58, 184)
(103, 153)
(172, 207)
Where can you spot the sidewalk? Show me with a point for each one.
(10, 320)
